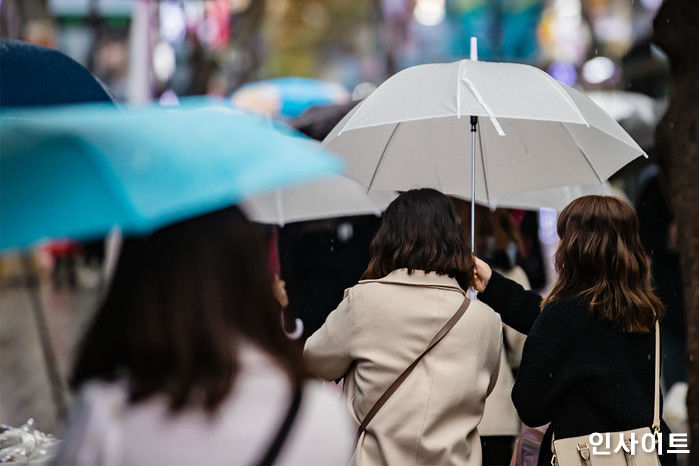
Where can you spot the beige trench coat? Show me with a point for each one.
(376, 332)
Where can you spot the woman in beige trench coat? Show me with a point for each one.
(419, 270)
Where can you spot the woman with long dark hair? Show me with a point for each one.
(186, 361)
(588, 361)
(413, 291)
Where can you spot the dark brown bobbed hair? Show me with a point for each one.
(421, 231)
(600, 258)
(181, 302)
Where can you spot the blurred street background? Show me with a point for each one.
(170, 48)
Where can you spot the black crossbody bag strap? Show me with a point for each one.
(279, 440)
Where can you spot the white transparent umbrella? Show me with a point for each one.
(333, 196)
(637, 113)
(548, 198)
(479, 130)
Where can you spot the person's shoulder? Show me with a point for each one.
(566, 307)
(324, 417)
(367, 290)
(562, 316)
(518, 275)
(319, 395)
(356, 288)
(481, 310)
(102, 392)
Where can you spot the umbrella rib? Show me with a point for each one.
(587, 159)
(613, 136)
(383, 153)
(458, 90)
(485, 175)
(559, 88)
(484, 105)
(358, 107)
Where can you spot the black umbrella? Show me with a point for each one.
(318, 121)
(310, 251)
(32, 75)
(29, 76)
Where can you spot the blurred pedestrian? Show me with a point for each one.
(322, 258)
(658, 228)
(499, 243)
(416, 280)
(64, 254)
(588, 363)
(186, 361)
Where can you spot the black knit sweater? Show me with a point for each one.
(577, 372)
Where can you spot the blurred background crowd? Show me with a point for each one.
(165, 49)
(306, 62)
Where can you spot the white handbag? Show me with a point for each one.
(638, 447)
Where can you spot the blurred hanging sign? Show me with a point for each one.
(218, 16)
(506, 29)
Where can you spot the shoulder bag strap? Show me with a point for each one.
(656, 396)
(401, 378)
(277, 443)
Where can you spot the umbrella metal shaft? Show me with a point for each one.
(52, 372)
(474, 125)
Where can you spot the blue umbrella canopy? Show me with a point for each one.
(292, 95)
(79, 171)
(33, 75)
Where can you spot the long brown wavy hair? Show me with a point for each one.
(421, 231)
(600, 258)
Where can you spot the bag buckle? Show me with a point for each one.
(584, 451)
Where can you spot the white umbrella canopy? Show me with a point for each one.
(533, 132)
(637, 113)
(334, 196)
(548, 198)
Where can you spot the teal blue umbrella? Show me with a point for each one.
(294, 95)
(79, 171)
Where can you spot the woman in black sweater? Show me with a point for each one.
(588, 361)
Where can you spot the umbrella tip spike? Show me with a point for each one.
(474, 48)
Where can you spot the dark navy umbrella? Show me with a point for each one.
(31, 75)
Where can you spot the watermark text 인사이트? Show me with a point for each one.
(607, 443)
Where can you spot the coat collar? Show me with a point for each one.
(419, 278)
